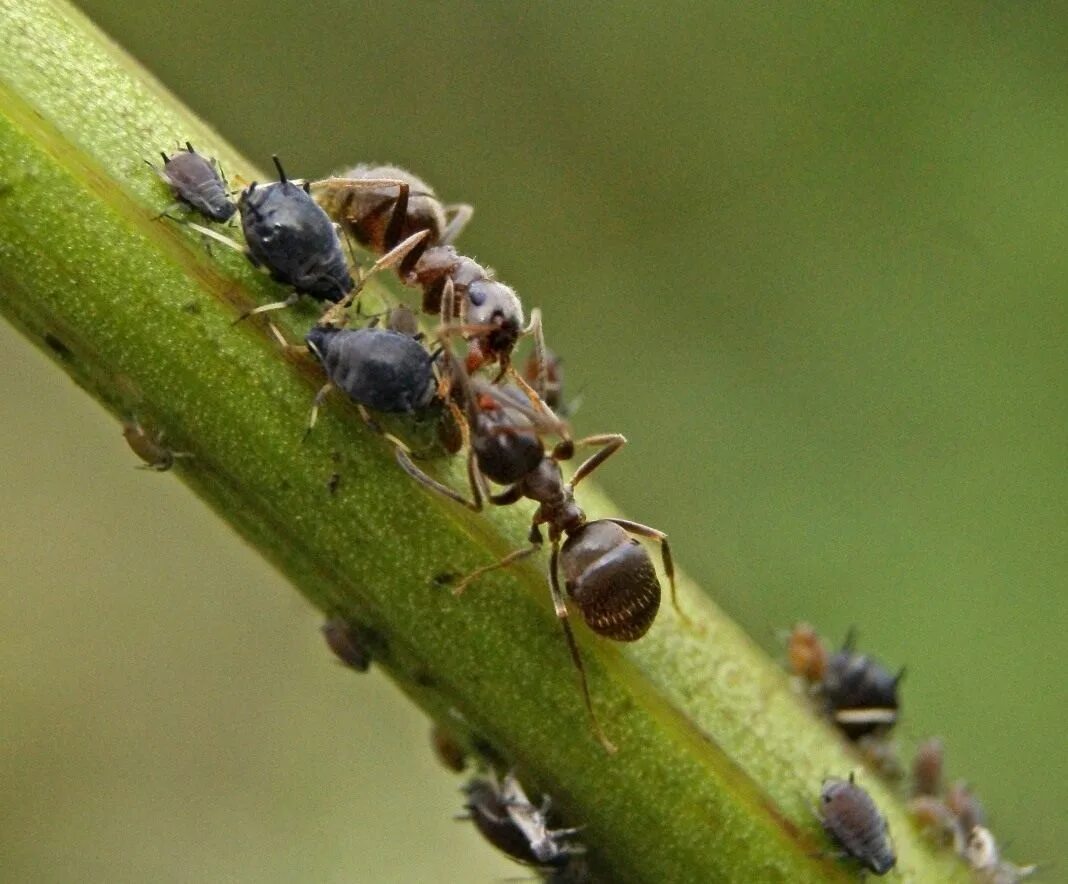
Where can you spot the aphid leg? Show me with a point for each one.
(610, 443)
(320, 397)
(461, 213)
(665, 554)
(267, 308)
(215, 235)
(510, 559)
(572, 646)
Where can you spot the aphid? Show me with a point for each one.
(807, 654)
(927, 768)
(152, 451)
(859, 693)
(854, 822)
(447, 749)
(982, 854)
(880, 755)
(348, 645)
(198, 183)
(961, 800)
(608, 575)
(506, 818)
(379, 206)
(936, 821)
(294, 239)
(546, 375)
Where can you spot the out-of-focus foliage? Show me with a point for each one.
(811, 262)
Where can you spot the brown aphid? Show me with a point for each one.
(936, 821)
(347, 644)
(807, 654)
(961, 800)
(981, 852)
(151, 450)
(447, 749)
(927, 768)
(608, 575)
(854, 822)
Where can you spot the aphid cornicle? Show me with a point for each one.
(507, 819)
(860, 694)
(851, 818)
(197, 182)
(381, 205)
(289, 234)
(345, 641)
(608, 575)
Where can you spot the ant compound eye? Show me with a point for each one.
(476, 296)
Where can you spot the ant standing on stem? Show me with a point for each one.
(608, 575)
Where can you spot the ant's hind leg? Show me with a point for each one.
(665, 554)
(572, 646)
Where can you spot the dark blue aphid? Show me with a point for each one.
(854, 822)
(196, 182)
(380, 369)
(294, 239)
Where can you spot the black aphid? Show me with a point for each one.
(854, 822)
(198, 183)
(348, 646)
(860, 693)
(294, 239)
(506, 818)
(377, 368)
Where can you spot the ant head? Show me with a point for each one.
(495, 305)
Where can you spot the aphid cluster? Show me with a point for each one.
(858, 695)
(506, 417)
(954, 818)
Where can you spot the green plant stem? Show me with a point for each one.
(719, 762)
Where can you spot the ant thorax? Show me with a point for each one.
(546, 485)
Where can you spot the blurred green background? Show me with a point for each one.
(810, 259)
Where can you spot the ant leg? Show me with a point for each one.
(510, 559)
(610, 443)
(461, 214)
(665, 553)
(397, 217)
(572, 646)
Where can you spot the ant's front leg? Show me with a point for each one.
(510, 559)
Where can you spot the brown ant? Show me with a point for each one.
(382, 205)
(608, 575)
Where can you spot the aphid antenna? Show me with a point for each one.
(278, 165)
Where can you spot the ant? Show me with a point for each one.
(490, 313)
(608, 575)
(362, 202)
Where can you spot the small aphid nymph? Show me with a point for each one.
(854, 822)
(807, 654)
(197, 183)
(156, 456)
(347, 644)
(927, 768)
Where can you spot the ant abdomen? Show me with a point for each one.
(611, 579)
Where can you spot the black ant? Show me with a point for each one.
(608, 575)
